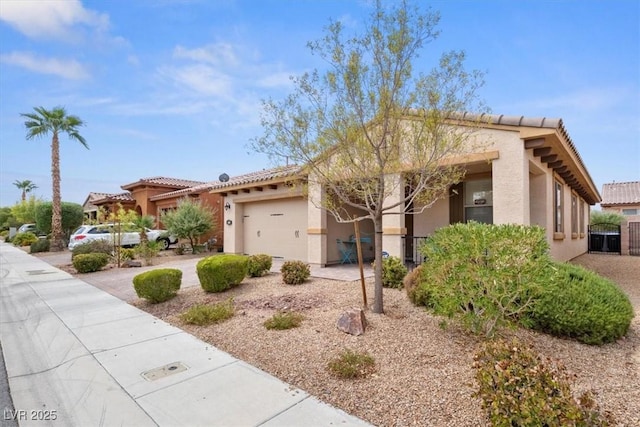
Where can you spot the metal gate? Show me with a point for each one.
(634, 238)
(605, 237)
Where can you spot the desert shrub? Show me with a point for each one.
(93, 247)
(351, 364)
(284, 320)
(40, 245)
(295, 272)
(519, 388)
(202, 314)
(580, 304)
(147, 251)
(259, 265)
(127, 254)
(411, 282)
(393, 271)
(4, 234)
(158, 285)
(24, 239)
(220, 272)
(485, 275)
(88, 263)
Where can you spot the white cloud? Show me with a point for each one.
(43, 19)
(221, 54)
(279, 79)
(68, 69)
(202, 79)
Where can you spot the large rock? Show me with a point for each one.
(352, 322)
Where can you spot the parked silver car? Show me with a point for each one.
(124, 234)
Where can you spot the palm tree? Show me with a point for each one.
(26, 186)
(42, 123)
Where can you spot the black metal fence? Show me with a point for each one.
(411, 249)
(634, 238)
(605, 237)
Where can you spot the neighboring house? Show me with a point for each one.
(622, 198)
(153, 196)
(527, 172)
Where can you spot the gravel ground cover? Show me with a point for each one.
(423, 374)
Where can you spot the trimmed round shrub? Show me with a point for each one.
(24, 239)
(393, 271)
(578, 303)
(88, 263)
(41, 245)
(99, 246)
(220, 272)
(158, 285)
(259, 265)
(295, 272)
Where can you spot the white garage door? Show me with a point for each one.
(277, 228)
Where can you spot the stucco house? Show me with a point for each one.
(155, 195)
(528, 171)
(622, 198)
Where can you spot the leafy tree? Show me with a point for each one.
(122, 220)
(26, 186)
(143, 222)
(25, 211)
(371, 118)
(53, 122)
(598, 217)
(72, 217)
(189, 221)
(7, 219)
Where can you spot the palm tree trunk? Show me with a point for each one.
(57, 243)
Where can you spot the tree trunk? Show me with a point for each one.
(57, 243)
(377, 271)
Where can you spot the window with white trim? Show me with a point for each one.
(558, 217)
(478, 201)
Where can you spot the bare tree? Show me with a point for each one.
(376, 136)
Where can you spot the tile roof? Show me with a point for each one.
(621, 193)
(259, 176)
(121, 197)
(162, 181)
(196, 189)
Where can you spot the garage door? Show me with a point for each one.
(277, 228)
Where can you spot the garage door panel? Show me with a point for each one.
(277, 228)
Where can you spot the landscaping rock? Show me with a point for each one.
(352, 322)
(132, 263)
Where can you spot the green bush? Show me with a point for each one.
(147, 251)
(127, 254)
(520, 388)
(24, 239)
(295, 272)
(4, 233)
(411, 282)
(220, 272)
(580, 304)
(40, 245)
(393, 272)
(158, 285)
(208, 314)
(485, 275)
(284, 320)
(100, 246)
(88, 263)
(259, 265)
(351, 364)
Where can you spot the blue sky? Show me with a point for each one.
(173, 87)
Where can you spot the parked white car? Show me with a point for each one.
(127, 236)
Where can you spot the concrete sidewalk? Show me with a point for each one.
(77, 356)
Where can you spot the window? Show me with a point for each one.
(630, 211)
(582, 217)
(478, 201)
(574, 215)
(558, 225)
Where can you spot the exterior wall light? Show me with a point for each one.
(229, 222)
(227, 206)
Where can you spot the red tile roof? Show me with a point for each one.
(162, 182)
(197, 189)
(259, 176)
(621, 193)
(121, 197)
